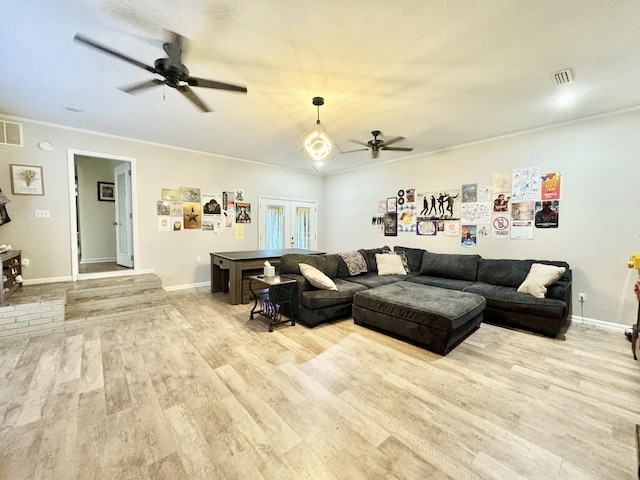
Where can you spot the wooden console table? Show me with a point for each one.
(229, 269)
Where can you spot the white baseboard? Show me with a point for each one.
(86, 261)
(599, 323)
(187, 286)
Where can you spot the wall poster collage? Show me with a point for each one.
(186, 208)
(510, 207)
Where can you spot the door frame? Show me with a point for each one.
(73, 214)
(127, 259)
(291, 201)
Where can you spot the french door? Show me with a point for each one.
(287, 224)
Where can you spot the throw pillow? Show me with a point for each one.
(539, 278)
(370, 256)
(316, 277)
(389, 264)
(414, 256)
(405, 260)
(355, 262)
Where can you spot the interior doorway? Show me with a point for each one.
(102, 215)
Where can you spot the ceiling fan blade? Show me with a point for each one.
(202, 82)
(187, 92)
(138, 87)
(173, 48)
(86, 41)
(396, 149)
(393, 140)
(360, 143)
(357, 150)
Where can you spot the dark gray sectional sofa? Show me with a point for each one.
(497, 280)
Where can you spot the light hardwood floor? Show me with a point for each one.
(202, 392)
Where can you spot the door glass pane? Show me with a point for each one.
(303, 216)
(275, 227)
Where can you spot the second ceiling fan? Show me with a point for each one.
(378, 144)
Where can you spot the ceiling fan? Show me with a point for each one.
(378, 144)
(174, 74)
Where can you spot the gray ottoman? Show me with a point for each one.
(436, 318)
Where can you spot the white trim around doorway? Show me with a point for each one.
(71, 154)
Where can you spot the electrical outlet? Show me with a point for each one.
(25, 262)
(582, 297)
(197, 259)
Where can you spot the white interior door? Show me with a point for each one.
(287, 224)
(124, 215)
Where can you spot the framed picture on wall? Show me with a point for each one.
(106, 192)
(390, 224)
(26, 180)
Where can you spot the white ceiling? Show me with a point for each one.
(440, 73)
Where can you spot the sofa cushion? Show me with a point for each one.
(414, 257)
(510, 273)
(405, 260)
(316, 277)
(370, 257)
(508, 299)
(450, 283)
(314, 299)
(355, 263)
(503, 272)
(539, 278)
(372, 280)
(327, 264)
(389, 264)
(449, 265)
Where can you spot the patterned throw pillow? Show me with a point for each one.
(355, 262)
(405, 260)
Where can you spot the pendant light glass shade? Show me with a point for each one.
(316, 144)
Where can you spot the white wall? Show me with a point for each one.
(599, 215)
(599, 219)
(172, 255)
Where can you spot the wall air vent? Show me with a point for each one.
(563, 77)
(10, 133)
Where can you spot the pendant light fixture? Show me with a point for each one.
(316, 145)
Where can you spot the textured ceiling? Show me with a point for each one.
(439, 73)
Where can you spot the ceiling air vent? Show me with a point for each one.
(563, 77)
(10, 133)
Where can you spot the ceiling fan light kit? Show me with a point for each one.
(316, 144)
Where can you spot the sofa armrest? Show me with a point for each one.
(561, 290)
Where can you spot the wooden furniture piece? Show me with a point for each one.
(229, 269)
(278, 295)
(11, 273)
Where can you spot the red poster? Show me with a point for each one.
(550, 186)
